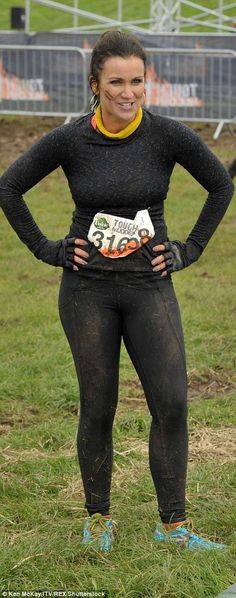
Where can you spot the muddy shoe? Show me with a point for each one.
(182, 536)
(99, 532)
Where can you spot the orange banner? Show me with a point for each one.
(14, 88)
(163, 93)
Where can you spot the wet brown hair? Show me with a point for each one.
(112, 43)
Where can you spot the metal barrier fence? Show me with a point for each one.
(193, 85)
(190, 85)
(43, 80)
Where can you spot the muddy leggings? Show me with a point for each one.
(95, 317)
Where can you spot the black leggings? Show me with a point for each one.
(95, 317)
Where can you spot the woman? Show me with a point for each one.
(117, 262)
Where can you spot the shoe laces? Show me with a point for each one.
(189, 525)
(97, 524)
(183, 532)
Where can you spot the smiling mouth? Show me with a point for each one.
(126, 105)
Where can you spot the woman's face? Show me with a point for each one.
(121, 89)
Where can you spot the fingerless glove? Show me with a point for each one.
(179, 255)
(57, 253)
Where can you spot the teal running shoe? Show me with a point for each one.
(99, 532)
(185, 538)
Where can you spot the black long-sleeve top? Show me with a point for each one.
(118, 176)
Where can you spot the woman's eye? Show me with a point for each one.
(118, 82)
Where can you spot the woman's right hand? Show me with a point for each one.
(67, 253)
(79, 253)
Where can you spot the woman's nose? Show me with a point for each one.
(127, 93)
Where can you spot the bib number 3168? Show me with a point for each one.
(124, 243)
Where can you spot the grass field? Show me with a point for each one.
(42, 501)
(43, 19)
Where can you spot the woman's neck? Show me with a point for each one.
(120, 130)
(115, 126)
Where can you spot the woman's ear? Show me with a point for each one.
(93, 85)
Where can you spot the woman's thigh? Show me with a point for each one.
(153, 336)
(93, 328)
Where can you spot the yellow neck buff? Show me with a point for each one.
(124, 132)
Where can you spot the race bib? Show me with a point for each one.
(118, 237)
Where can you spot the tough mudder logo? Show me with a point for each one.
(101, 223)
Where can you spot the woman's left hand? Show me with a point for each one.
(174, 256)
(159, 262)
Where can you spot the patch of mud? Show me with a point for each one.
(51, 280)
(10, 322)
(205, 444)
(226, 139)
(206, 385)
(209, 384)
(8, 421)
(18, 134)
(131, 390)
